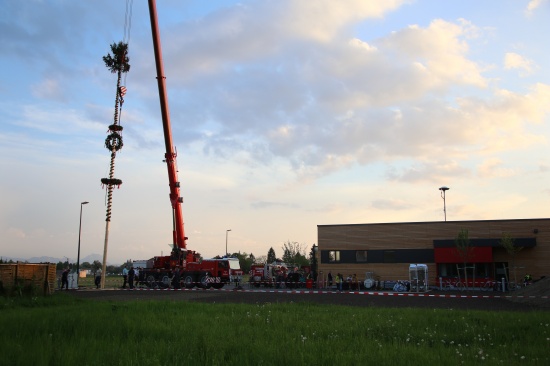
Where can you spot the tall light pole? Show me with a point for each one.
(443, 189)
(79, 233)
(226, 234)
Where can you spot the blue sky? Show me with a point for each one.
(286, 115)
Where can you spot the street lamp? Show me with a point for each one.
(79, 232)
(443, 189)
(226, 234)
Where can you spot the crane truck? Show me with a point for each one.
(192, 270)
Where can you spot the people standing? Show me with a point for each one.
(329, 279)
(136, 276)
(98, 278)
(337, 281)
(125, 276)
(176, 278)
(131, 275)
(65, 279)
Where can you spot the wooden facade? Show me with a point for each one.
(387, 249)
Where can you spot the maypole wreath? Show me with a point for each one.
(114, 142)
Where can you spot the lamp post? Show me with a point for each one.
(226, 234)
(443, 189)
(79, 233)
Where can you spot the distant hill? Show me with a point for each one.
(91, 258)
(45, 259)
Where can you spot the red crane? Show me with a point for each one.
(178, 233)
(182, 267)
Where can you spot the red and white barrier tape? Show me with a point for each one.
(371, 293)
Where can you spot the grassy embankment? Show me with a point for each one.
(62, 330)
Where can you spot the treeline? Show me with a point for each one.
(293, 253)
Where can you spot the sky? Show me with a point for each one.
(286, 114)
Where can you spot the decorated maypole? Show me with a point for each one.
(117, 63)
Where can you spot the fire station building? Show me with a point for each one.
(387, 249)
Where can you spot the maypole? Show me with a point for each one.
(117, 63)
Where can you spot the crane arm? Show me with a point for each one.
(170, 156)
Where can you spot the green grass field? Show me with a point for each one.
(110, 282)
(63, 330)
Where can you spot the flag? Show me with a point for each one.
(121, 93)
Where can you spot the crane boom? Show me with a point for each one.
(182, 267)
(170, 156)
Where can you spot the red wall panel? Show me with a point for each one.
(451, 255)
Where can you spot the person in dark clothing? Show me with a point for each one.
(131, 275)
(65, 279)
(329, 280)
(124, 276)
(176, 279)
(97, 278)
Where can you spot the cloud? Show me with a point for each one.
(431, 171)
(15, 233)
(534, 5)
(492, 168)
(301, 100)
(268, 204)
(48, 89)
(515, 61)
(391, 204)
(326, 102)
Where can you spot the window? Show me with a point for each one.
(482, 270)
(389, 256)
(334, 256)
(361, 256)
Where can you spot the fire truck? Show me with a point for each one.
(262, 275)
(191, 268)
(278, 274)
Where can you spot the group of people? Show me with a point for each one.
(349, 283)
(135, 276)
(132, 275)
(291, 279)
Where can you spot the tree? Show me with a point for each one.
(295, 253)
(271, 257)
(113, 269)
(261, 259)
(507, 242)
(313, 261)
(245, 260)
(462, 243)
(96, 265)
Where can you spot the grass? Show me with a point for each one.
(111, 281)
(62, 330)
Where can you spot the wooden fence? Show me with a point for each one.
(40, 277)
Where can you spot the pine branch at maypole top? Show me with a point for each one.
(119, 62)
